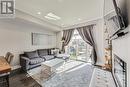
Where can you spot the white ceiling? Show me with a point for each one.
(70, 11)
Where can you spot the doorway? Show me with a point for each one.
(79, 49)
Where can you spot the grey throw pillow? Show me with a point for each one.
(48, 57)
(32, 54)
(36, 61)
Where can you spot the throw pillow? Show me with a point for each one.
(32, 54)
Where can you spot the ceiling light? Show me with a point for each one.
(52, 16)
(79, 19)
(39, 13)
(62, 25)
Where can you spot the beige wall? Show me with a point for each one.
(15, 37)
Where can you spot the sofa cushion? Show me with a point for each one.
(43, 52)
(32, 54)
(36, 61)
(48, 57)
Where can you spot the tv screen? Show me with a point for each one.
(115, 15)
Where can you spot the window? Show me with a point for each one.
(78, 48)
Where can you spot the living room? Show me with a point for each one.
(63, 43)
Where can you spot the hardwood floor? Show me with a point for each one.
(21, 80)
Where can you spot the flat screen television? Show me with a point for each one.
(116, 19)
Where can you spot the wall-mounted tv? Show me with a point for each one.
(115, 15)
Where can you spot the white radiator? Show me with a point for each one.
(102, 78)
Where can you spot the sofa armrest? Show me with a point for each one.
(24, 62)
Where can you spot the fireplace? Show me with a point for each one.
(120, 72)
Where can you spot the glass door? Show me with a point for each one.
(78, 48)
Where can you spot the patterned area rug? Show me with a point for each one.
(70, 74)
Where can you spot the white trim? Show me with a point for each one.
(112, 11)
(90, 22)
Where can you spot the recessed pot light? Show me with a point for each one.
(38, 13)
(79, 19)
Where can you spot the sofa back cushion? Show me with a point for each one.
(43, 52)
(32, 54)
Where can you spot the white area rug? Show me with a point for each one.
(70, 74)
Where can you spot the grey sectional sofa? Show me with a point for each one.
(32, 59)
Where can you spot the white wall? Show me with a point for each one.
(108, 7)
(99, 41)
(58, 39)
(15, 37)
(121, 47)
